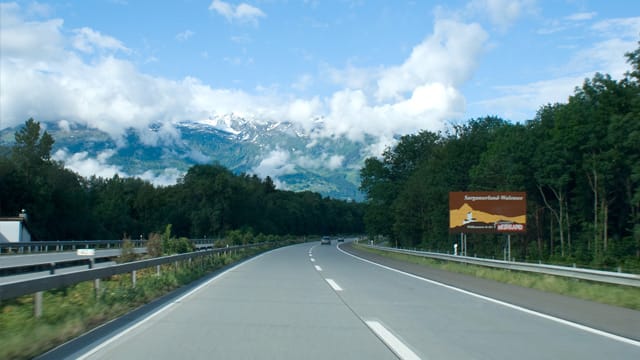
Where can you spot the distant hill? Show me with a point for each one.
(296, 160)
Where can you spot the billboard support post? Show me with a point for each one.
(508, 247)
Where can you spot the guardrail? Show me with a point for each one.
(73, 245)
(609, 277)
(27, 287)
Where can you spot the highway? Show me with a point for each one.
(312, 301)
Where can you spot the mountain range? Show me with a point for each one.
(295, 159)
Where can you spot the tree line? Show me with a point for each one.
(208, 201)
(579, 163)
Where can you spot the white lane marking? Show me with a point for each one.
(313, 260)
(397, 346)
(334, 285)
(166, 307)
(318, 268)
(509, 305)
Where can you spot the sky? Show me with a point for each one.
(378, 68)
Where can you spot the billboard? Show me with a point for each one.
(487, 212)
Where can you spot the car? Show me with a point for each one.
(340, 239)
(325, 240)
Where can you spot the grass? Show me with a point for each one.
(617, 295)
(74, 310)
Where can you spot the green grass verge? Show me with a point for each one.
(617, 295)
(74, 310)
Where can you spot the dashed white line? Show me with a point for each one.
(334, 285)
(318, 268)
(313, 260)
(397, 346)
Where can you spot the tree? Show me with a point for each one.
(31, 149)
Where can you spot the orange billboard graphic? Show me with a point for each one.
(487, 212)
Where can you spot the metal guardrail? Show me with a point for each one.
(26, 287)
(609, 277)
(72, 245)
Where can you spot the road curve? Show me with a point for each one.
(312, 301)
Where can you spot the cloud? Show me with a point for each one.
(501, 13)
(449, 56)
(88, 40)
(335, 162)
(185, 35)
(275, 164)
(55, 77)
(82, 164)
(520, 102)
(242, 12)
(582, 16)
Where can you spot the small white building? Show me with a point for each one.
(14, 229)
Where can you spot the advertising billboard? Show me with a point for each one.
(487, 212)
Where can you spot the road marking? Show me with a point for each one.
(392, 342)
(318, 268)
(509, 305)
(168, 306)
(334, 285)
(313, 260)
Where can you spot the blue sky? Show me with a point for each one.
(380, 68)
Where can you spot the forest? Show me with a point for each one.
(209, 201)
(578, 162)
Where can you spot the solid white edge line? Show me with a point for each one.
(166, 307)
(318, 268)
(509, 305)
(334, 285)
(397, 346)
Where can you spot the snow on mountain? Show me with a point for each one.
(297, 159)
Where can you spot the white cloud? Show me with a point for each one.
(82, 164)
(582, 16)
(303, 82)
(185, 35)
(242, 12)
(88, 40)
(502, 13)
(449, 56)
(275, 164)
(51, 80)
(335, 162)
(64, 126)
(162, 178)
(521, 101)
(87, 166)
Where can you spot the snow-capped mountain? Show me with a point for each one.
(297, 160)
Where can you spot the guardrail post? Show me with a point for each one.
(37, 304)
(158, 270)
(52, 268)
(133, 278)
(96, 288)
(91, 263)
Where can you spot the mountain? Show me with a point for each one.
(296, 160)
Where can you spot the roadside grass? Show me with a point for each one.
(617, 295)
(71, 311)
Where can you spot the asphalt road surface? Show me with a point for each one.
(312, 301)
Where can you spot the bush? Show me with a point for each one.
(154, 245)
